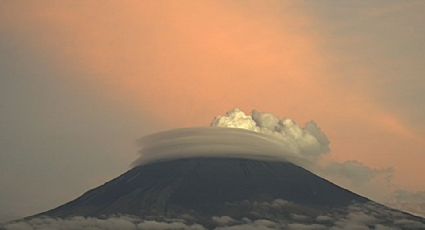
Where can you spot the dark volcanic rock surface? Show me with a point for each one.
(207, 186)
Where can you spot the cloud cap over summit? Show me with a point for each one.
(256, 136)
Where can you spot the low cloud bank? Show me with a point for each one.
(276, 214)
(111, 223)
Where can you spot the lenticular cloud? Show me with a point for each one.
(256, 136)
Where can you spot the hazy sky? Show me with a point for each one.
(81, 81)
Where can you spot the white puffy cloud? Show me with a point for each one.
(155, 225)
(323, 218)
(299, 217)
(236, 119)
(223, 220)
(309, 141)
(298, 226)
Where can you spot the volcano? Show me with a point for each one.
(197, 190)
(245, 172)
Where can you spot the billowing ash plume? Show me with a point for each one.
(257, 136)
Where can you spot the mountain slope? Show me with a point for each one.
(206, 186)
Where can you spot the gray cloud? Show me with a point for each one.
(376, 184)
(357, 172)
(215, 142)
(413, 202)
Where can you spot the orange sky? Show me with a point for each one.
(185, 62)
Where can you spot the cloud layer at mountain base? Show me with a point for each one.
(263, 216)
